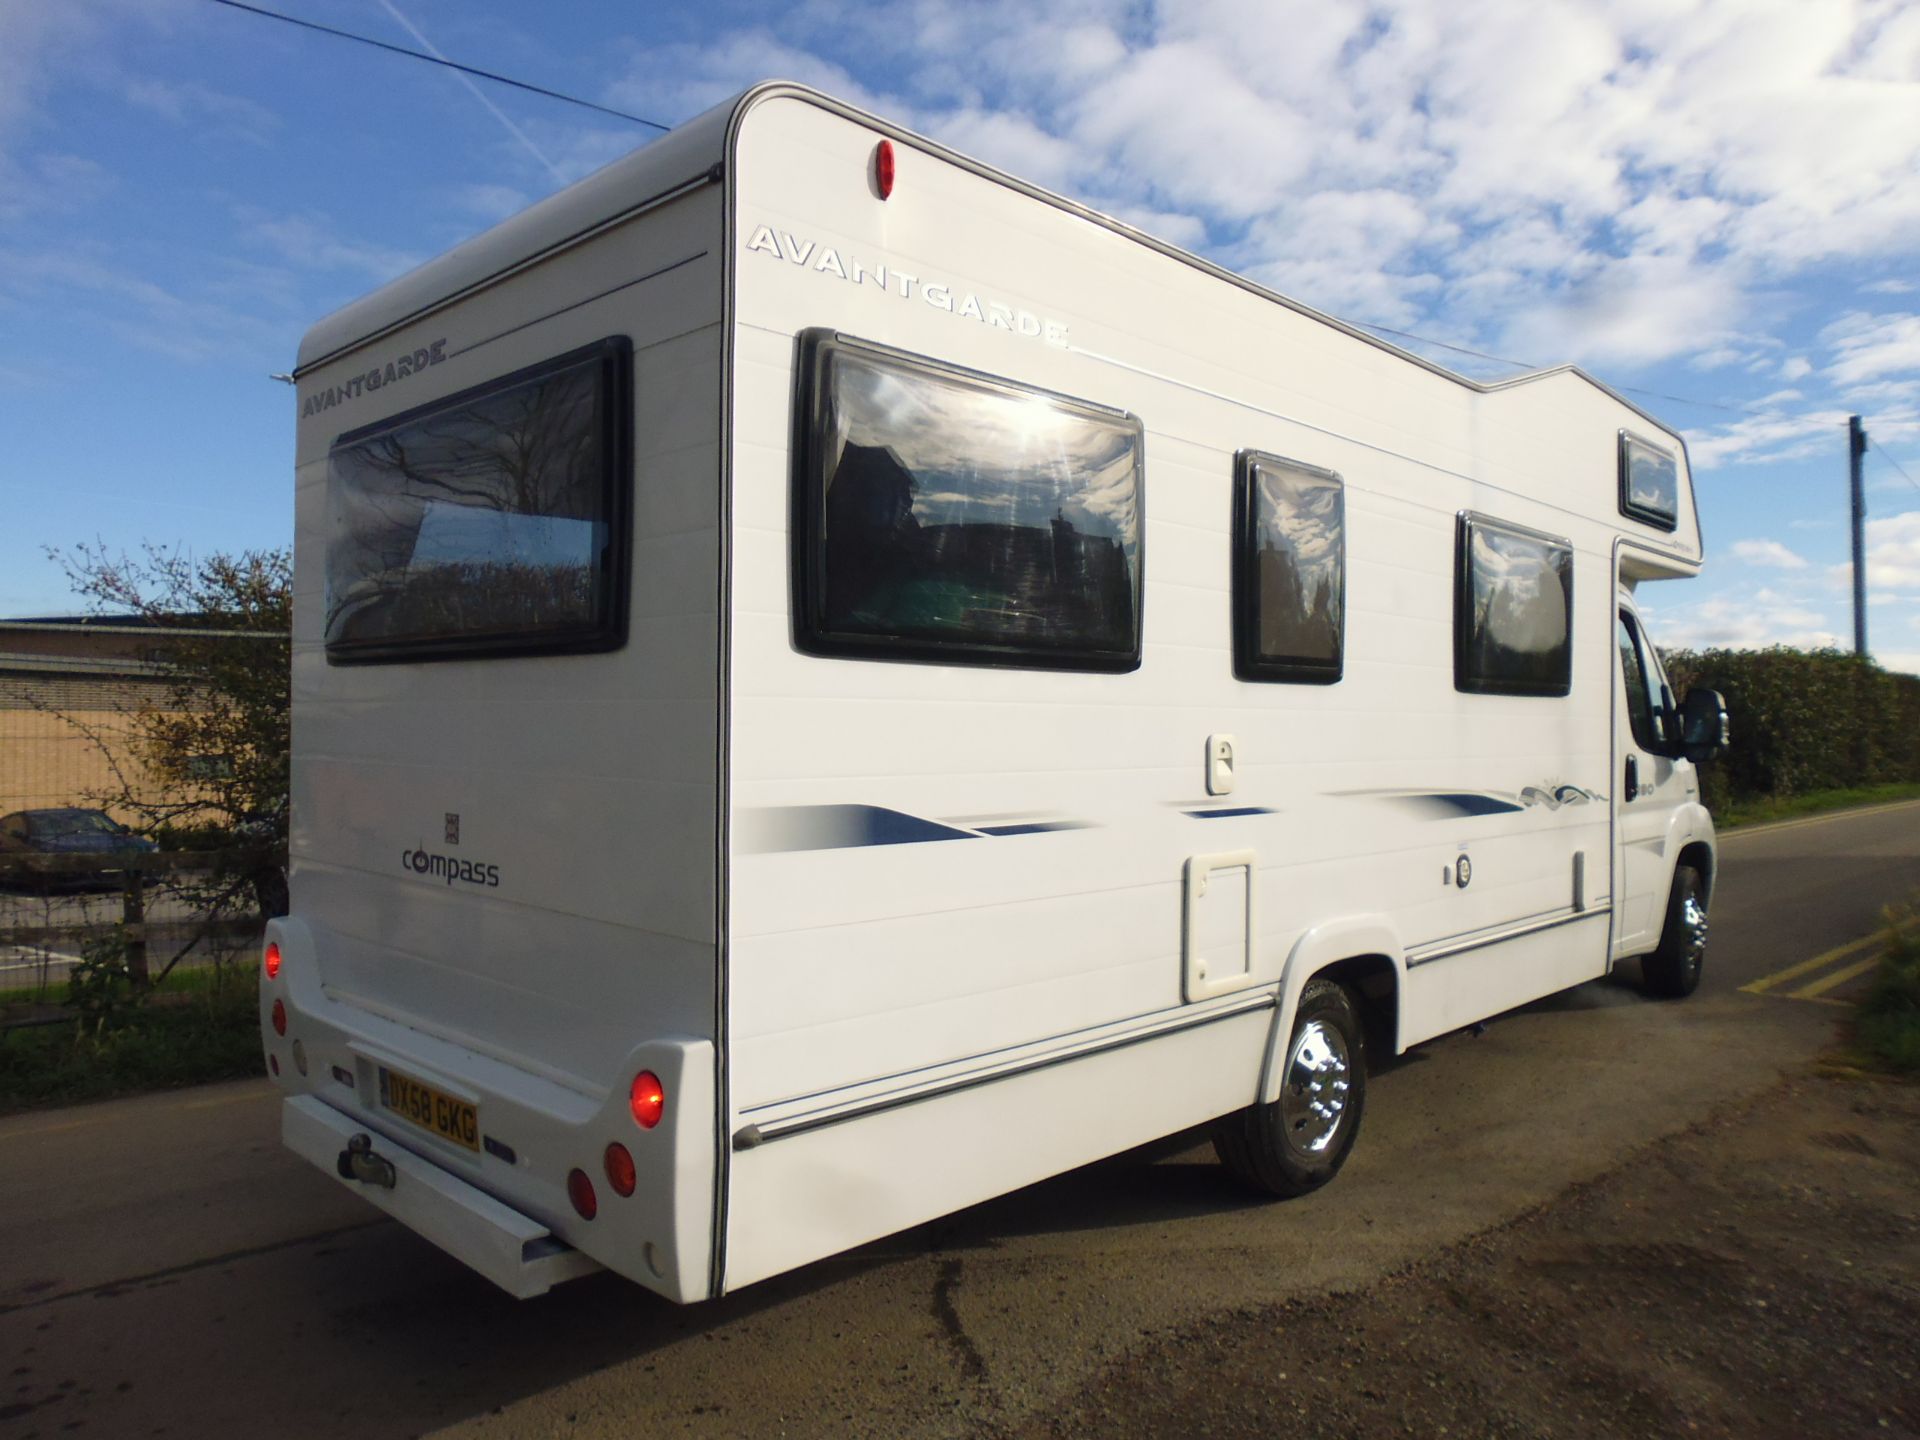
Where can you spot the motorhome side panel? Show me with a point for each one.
(944, 875)
(503, 872)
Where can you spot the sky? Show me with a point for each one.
(1713, 205)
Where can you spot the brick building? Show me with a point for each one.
(68, 685)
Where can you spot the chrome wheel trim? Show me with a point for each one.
(1693, 928)
(1313, 1095)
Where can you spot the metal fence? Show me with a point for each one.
(177, 910)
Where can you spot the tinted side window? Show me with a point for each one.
(948, 515)
(1649, 483)
(1646, 696)
(1513, 607)
(490, 522)
(1290, 571)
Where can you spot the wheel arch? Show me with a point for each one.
(1364, 953)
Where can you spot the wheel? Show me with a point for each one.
(1299, 1142)
(1674, 969)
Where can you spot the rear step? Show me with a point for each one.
(517, 1253)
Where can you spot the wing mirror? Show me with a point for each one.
(1704, 731)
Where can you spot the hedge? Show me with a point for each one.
(1804, 720)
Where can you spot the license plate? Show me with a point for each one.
(432, 1110)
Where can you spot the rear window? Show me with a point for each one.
(492, 522)
(948, 515)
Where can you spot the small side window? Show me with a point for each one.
(1289, 571)
(1647, 710)
(1649, 483)
(1512, 610)
(947, 515)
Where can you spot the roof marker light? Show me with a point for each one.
(279, 1017)
(271, 960)
(883, 168)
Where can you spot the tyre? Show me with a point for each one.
(1299, 1142)
(1673, 970)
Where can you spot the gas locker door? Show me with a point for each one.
(1646, 787)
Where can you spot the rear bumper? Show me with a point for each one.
(514, 1251)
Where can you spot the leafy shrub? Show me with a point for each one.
(1804, 720)
(1889, 1023)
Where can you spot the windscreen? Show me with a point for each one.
(491, 522)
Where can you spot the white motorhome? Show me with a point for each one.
(831, 684)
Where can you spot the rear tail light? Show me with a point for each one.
(279, 1017)
(883, 168)
(580, 1192)
(271, 960)
(647, 1099)
(620, 1173)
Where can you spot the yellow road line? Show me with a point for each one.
(49, 1129)
(1800, 822)
(1794, 972)
(267, 1094)
(1835, 980)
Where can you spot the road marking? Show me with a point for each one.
(1835, 980)
(1774, 826)
(267, 1094)
(49, 1129)
(1794, 972)
(1817, 989)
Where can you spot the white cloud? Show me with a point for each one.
(1741, 622)
(308, 242)
(1891, 287)
(1893, 552)
(1770, 553)
(192, 103)
(1612, 183)
(1872, 347)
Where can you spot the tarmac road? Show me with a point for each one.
(165, 1269)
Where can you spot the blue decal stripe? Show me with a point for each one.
(1032, 827)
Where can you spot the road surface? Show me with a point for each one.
(168, 1270)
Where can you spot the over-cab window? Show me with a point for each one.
(948, 515)
(492, 522)
(1512, 610)
(1649, 483)
(1290, 571)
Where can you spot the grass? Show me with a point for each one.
(1813, 802)
(1887, 1027)
(185, 980)
(187, 1034)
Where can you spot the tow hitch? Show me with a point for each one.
(358, 1162)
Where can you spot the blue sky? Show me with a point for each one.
(1717, 200)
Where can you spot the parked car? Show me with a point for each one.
(70, 831)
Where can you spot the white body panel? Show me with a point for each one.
(898, 1029)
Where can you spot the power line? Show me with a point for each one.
(1881, 454)
(439, 60)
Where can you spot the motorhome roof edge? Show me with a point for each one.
(684, 155)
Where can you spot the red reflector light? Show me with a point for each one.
(620, 1169)
(279, 1017)
(272, 960)
(580, 1192)
(647, 1099)
(883, 168)
(273, 1064)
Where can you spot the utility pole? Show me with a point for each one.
(1856, 449)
